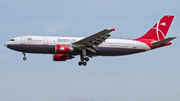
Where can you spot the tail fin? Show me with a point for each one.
(160, 29)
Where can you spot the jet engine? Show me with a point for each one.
(63, 49)
(61, 57)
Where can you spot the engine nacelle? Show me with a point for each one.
(61, 57)
(63, 49)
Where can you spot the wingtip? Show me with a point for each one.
(113, 29)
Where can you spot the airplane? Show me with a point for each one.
(99, 44)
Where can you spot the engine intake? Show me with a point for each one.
(61, 57)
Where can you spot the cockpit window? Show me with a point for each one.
(12, 40)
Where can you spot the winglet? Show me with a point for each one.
(113, 29)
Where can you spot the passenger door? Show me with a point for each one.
(135, 44)
(45, 41)
(22, 40)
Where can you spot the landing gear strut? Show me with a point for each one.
(24, 58)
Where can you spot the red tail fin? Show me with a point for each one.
(159, 30)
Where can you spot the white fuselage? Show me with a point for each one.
(111, 47)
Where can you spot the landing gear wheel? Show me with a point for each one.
(80, 63)
(24, 58)
(87, 59)
(84, 63)
(82, 59)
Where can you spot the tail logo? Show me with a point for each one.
(62, 48)
(158, 30)
(164, 24)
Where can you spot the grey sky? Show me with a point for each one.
(149, 76)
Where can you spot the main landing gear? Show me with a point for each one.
(24, 58)
(83, 61)
(84, 58)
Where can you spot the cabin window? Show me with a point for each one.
(12, 40)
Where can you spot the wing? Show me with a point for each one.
(93, 40)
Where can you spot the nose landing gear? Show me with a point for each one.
(24, 58)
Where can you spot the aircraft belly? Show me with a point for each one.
(34, 48)
(115, 51)
(100, 51)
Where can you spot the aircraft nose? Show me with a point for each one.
(5, 44)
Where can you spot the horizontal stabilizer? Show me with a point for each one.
(162, 41)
